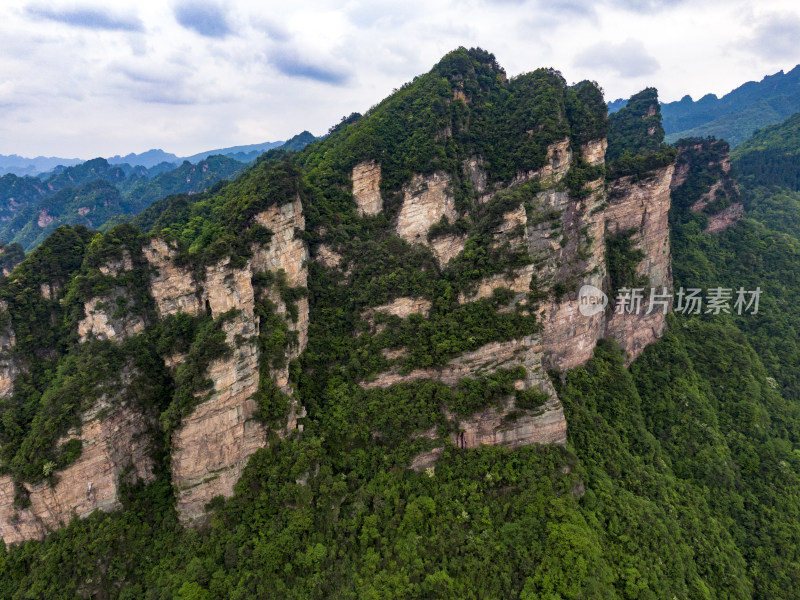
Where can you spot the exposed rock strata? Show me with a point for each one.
(114, 445)
(644, 207)
(426, 199)
(366, 178)
(101, 323)
(212, 445)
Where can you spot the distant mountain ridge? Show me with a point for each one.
(21, 166)
(736, 115)
(99, 193)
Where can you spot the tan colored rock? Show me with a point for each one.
(118, 267)
(100, 323)
(213, 443)
(559, 160)
(724, 219)
(645, 206)
(367, 187)
(545, 425)
(286, 250)
(174, 288)
(520, 283)
(594, 151)
(226, 289)
(642, 205)
(49, 291)
(402, 307)
(114, 444)
(426, 200)
(328, 257)
(473, 169)
(680, 176)
(8, 365)
(526, 351)
(569, 250)
(44, 219)
(493, 427)
(447, 247)
(426, 460)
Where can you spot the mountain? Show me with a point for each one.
(21, 166)
(31, 208)
(737, 114)
(95, 192)
(253, 151)
(146, 159)
(374, 368)
(155, 160)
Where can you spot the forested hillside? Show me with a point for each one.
(679, 476)
(736, 115)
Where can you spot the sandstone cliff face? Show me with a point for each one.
(212, 445)
(8, 366)
(102, 324)
(115, 445)
(493, 426)
(173, 287)
(426, 199)
(366, 178)
(644, 207)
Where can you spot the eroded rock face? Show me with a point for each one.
(174, 288)
(724, 219)
(212, 444)
(328, 257)
(102, 324)
(426, 200)
(570, 251)
(402, 307)
(447, 247)
(8, 366)
(520, 283)
(366, 178)
(559, 160)
(594, 151)
(492, 426)
(644, 207)
(115, 443)
(286, 250)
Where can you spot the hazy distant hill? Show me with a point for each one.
(736, 115)
(20, 165)
(152, 159)
(98, 191)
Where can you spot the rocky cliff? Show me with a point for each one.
(450, 259)
(115, 449)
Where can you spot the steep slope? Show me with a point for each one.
(410, 280)
(737, 114)
(95, 192)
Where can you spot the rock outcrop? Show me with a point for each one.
(426, 200)
(102, 323)
(212, 445)
(506, 425)
(115, 448)
(8, 364)
(642, 207)
(366, 178)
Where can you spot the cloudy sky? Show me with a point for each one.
(86, 78)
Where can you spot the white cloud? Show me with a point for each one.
(87, 78)
(628, 59)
